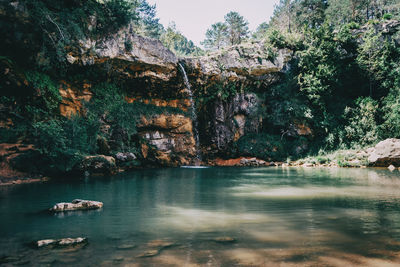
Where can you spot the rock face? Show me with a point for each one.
(77, 204)
(389, 28)
(385, 153)
(149, 72)
(61, 242)
(131, 55)
(223, 122)
(170, 140)
(245, 62)
(72, 99)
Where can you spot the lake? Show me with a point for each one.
(210, 217)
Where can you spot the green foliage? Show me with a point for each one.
(234, 30)
(262, 146)
(63, 142)
(238, 28)
(216, 36)
(318, 65)
(178, 43)
(276, 38)
(57, 147)
(59, 24)
(261, 31)
(361, 129)
(221, 91)
(46, 89)
(149, 25)
(387, 16)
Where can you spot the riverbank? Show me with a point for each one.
(385, 154)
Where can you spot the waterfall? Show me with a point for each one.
(194, 114)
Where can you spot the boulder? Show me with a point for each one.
(61, 242)
(385, 153)
(97, 165)
(252, 162)
(77, 204)
(124, 157)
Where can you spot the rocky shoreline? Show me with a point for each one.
(386, 154)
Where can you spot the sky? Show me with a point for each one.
(194, 17)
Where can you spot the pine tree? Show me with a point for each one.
(261, 31)
(216, 36)
(238, 28)
(149, 25)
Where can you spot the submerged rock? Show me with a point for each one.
(225, 239)
(61, 242)
(126, 246)
(149, 253)
(160, 244)
(77, 204)
(155, 247)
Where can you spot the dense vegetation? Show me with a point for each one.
(344, 82)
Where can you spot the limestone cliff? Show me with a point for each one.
(148, 73)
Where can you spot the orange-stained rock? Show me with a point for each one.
(303, 129)
(72, 99)
(227, 162)
(183, 104)
(169, 139)
(242, 161)
(145, 150)
(7, 123)
(176, 122)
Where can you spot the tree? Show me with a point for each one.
(178, 43)
(216, 36)
(238, 28)
(149, 25)
(261, 31)
(311, 13)
(283, 15)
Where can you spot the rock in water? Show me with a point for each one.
(61, 242)
(77, 204)
(385, 153)
(149, 253)
(391, 168)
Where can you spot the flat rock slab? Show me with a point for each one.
(149, 253)
(61, 242)
(160, 244)
(77, 204)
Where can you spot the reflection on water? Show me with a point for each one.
(211, 217)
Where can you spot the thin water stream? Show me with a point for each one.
(194, 115)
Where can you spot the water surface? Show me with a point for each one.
(211, 217)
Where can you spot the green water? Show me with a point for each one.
(287, 217)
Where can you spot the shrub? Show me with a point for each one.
(387, 16)
(46, 90)
(361, 129)
(263, 146)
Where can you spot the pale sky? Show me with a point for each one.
(194, 17)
